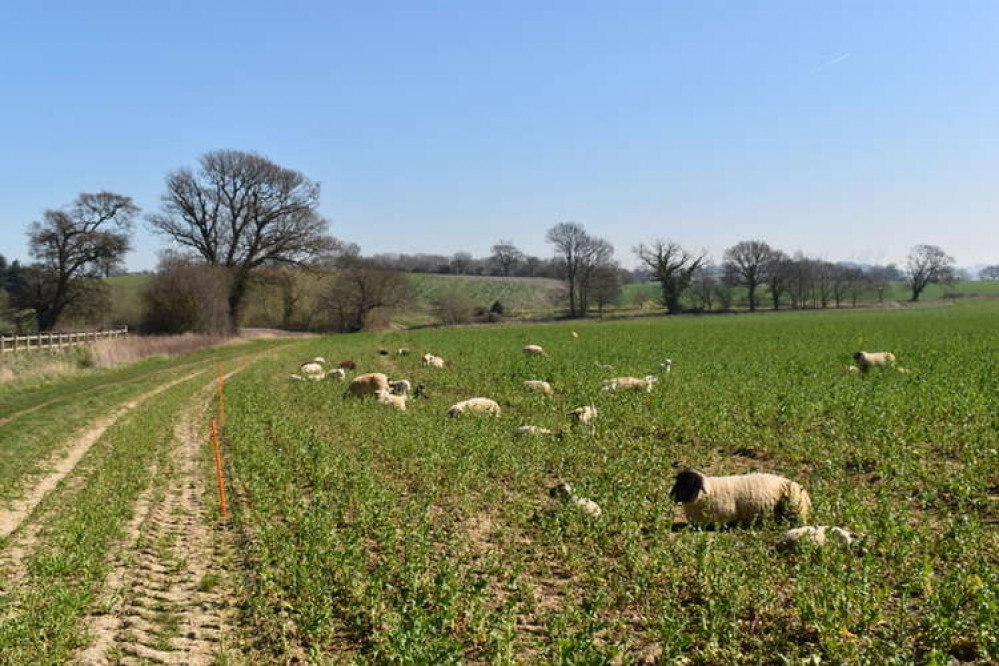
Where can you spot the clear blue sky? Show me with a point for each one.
(848, 130)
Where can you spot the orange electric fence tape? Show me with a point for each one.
(219, 475)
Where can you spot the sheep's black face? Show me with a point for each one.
(857, 356)
(686, 487)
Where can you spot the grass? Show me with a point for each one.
(380, 536)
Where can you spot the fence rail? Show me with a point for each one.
(53, 340)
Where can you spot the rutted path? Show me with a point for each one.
(64, 461)
(167, 591)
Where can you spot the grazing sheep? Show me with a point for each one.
(400, 387)
(526, 430)
(475, 405)
(745, 498)
(666, 365)
(563, 492)
(348, 365)
(867, 360)
(630, 384)
(339, 374)
(586, 416)
(402, 351)
(311, 368)
(534, 350)
(575, 336)
(817, 535)
(538, 386)
(368, 384)
(431, 361)
(397, 401)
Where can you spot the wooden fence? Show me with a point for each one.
(54, 340)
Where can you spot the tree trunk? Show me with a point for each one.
(752, 297)
(237, 294)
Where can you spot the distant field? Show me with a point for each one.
(361, 534)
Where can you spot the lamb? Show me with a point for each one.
(475, 405)
(339, 374)
(311, 368)
(630, 384)
(527, 430)
(867, 360)
(575, 336)
(534, 350)
(431, 361)
(397, 401)
(400, 387)
(586, 416)
(666, 365)
(563, 492)
(538, 386)
(817, 535)
(744, 498)
(368, 384)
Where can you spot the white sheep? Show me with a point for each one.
(397, 401)
(744, 498)
(666, 365)
(586, 416)
(475, 405)
(319, 359)
(563, 492)
(538, 386)
(534, 350)
(527, 430)
(630, 384)
(867, 360)
(368, 384)
(575, 336)
(429, 360)
(400, 387)
(312, 368)
(339, 374)
(816, 535)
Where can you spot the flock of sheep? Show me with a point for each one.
(744, 499)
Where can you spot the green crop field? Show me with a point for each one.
(362, 534)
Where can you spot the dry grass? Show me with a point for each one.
(111, 353)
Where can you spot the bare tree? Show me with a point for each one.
(595, 255)
(925, 265)
(243, 212)
(360, 287)
(778, 276)
(703, 286)
(879, 278)
(506, 256)
(605, 286)
(989, 273)
(746, 264)
(672, 267)
(73, 244)
(571, 242)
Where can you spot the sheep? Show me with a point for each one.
(400, 387)
(402, 351)
(431, 361)
(563, 492)
(397, 401)
(339, 374)
(538, 386)
(575, 336)
(473, 405)
(311, 368)
(319, 359)
(817, 535)
(630, 384)
(526, 430)
(586, 416)
(420, 392)
(348, 365)
(744, 498)
(368, 384)
(666, 365)
(534, 350)
(867, 360)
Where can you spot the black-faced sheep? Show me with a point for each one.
(745, 498)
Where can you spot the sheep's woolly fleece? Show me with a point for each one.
(744, 499)
(475, 405)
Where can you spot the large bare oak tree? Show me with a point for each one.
(747, 264)
(672, 267)
(73, 244)
(243, 212)
(925, 265)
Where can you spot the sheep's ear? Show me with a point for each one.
(687, 486)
